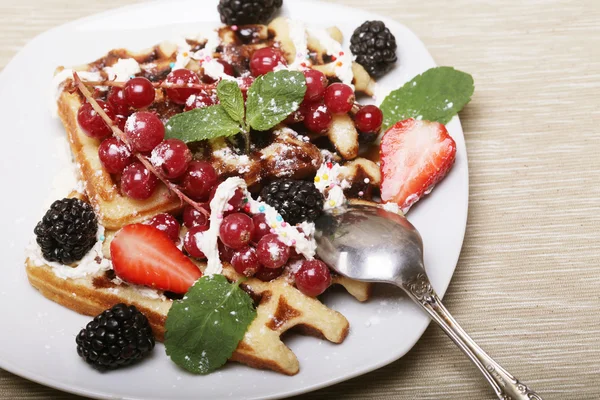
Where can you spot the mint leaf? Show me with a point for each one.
(230, 96)
(274, 96)
(204, 329)
(201, 124)
(436, 95)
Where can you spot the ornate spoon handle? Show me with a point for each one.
(506, 386)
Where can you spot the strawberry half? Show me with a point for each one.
(415, 155)
(144, 255)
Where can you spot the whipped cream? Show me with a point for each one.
(330, 182)
(299, 38)
(216, 70)
(123, 69)
(344, 58)
(301, 239)
(91, 264)
(392, 207)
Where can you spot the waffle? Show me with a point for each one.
(280, 153)
(280, 307)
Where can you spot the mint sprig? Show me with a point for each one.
(232, 100)
(202, 124)
(436, 95)
(204, 329)
(271, 98)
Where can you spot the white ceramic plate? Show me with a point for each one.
(37, 338)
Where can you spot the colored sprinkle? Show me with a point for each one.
(339, 64)
(293, 242)
(279, 218)
(185, 54)
(308, 56)
(273, 231)
(234, 28)
(283, 224)
(220, 216)
(367, 180)
(172, 65)
(230, 207)
(361, 194)
(131, 76)
(273, 226)
(329, 165)
(317, 179)
(325, 176)
(332, 203)
(207, 58)
(261, 208)
(333, 58)
(284, 234)
(245, 200)
(101, 238)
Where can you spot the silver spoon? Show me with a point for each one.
(369, 244)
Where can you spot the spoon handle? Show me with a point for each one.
(506, 386)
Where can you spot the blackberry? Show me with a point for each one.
(67, 231)
(296, 201)
(118, 337)
(374, 47)
(246, 12)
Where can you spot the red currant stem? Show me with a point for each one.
(165, 85)
(144, 160)
(355, 108)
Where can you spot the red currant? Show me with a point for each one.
(200, 100)
(316, 83)
(369, 119)
(225, 253)
(272, 252)
(237, 201)
(116, 98)
(137, 182)
(190, 242)
(313, 278)
(139, 92)
(339, 98)
(92, 123)
(261, 227)
(144, 130)
(172, 157)
(317, 118)
(199, 180)
(265, 60)
(236, 230)
(268, 274)
(114, 155)
(168, 224)
(245, 261)
(193, 217)
(227, 69)
(182, 77)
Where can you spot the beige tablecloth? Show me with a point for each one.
(527, 286)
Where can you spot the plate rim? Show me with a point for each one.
(80, 390)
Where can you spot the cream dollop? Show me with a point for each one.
(300, 237)
(91, 264)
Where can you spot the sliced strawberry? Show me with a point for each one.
(144, 255)
(415, 155)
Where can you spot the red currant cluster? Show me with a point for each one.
(145, 134)
(248, 245)
(321, 100)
